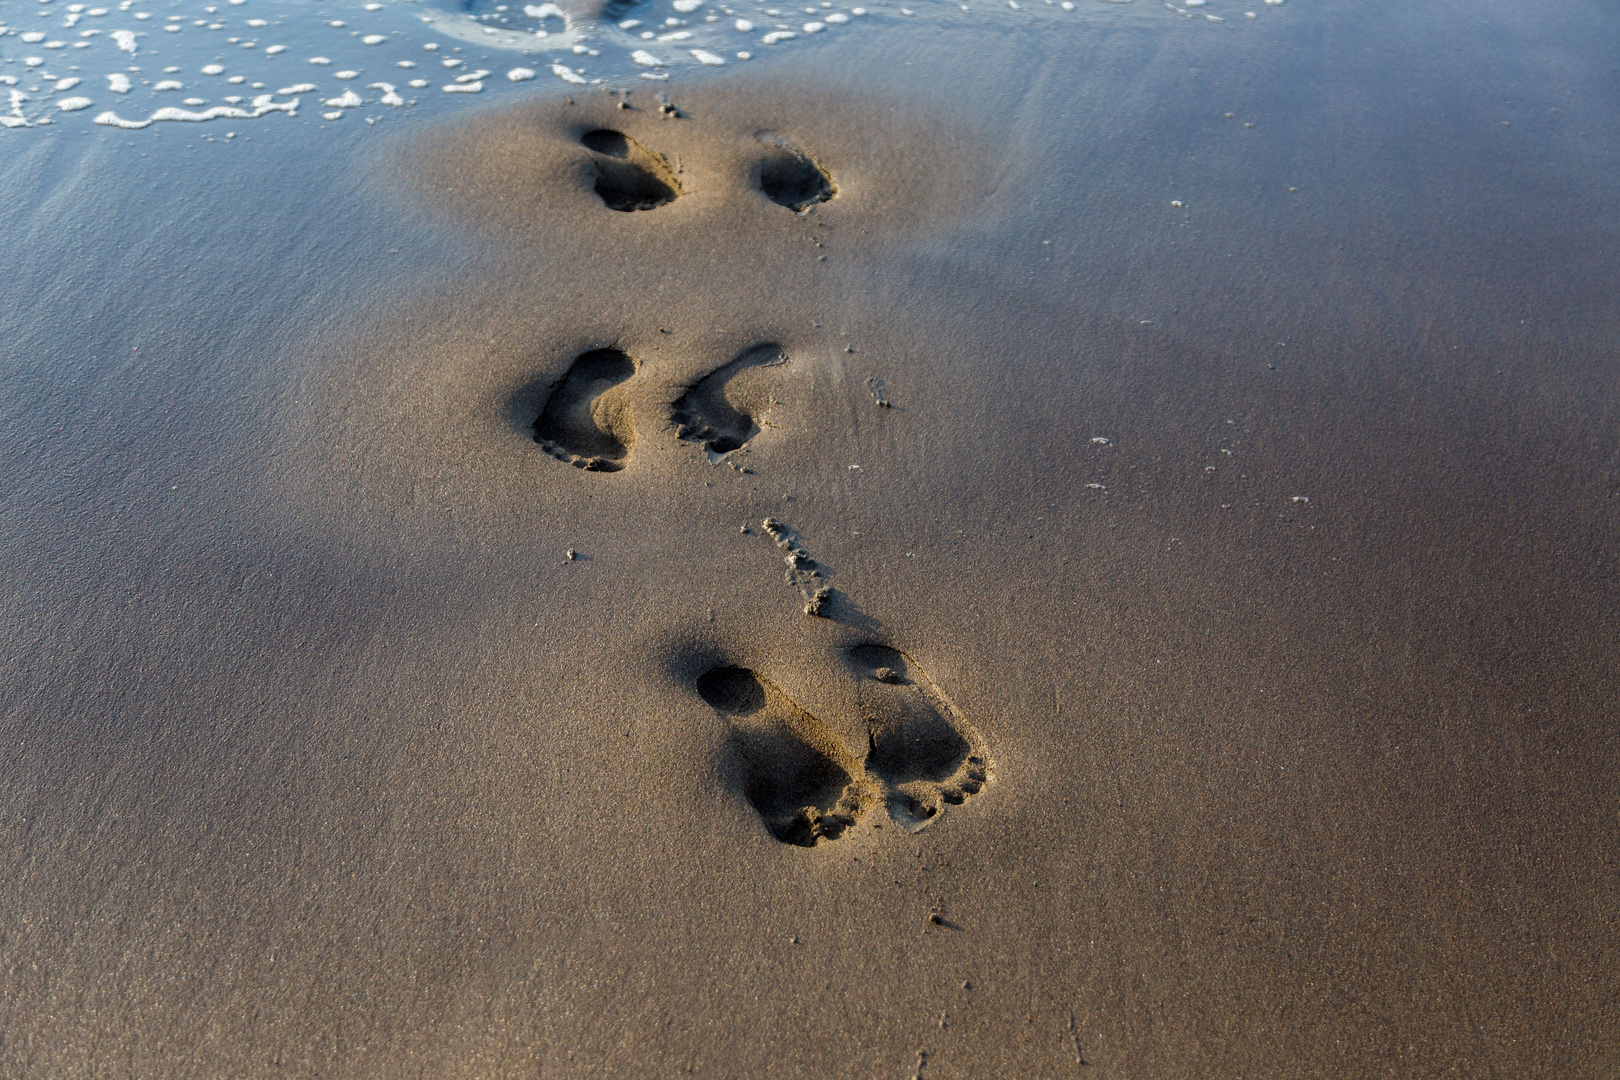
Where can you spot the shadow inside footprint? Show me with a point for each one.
(628, 175)
(790, 177)
(722, 411)
(796, 773)
(922, 750)
(584, 422)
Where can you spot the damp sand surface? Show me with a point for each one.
(1099, 560)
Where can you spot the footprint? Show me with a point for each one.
(585, 421)
(790, 177)
(796, 773)
(628, 175)
(922, 750)
(722, 410)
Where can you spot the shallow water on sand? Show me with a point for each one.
(968, 544)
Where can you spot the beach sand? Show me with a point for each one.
(1217, 672)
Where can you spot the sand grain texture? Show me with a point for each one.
(1263, 548)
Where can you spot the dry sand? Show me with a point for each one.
(1229, 588)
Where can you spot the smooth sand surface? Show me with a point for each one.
(1262, 549)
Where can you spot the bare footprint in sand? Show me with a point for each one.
(723, 409)
(628, 175)
(922, 750)
(790, 177)
(797, 774)
(586, 420)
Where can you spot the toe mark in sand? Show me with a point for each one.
(923, 751)
(796, 774)
(628, 175)
(722, 410)
(586, 421)
(790, 177)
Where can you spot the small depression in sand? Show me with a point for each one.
(629, 177)
(724, 409)
(585, 421)
(789, 176)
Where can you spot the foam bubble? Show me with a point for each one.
(118, 83)
(173, 84)
(373, 39)
(520, 74)
(646, 59)
(814, 27)
(213, 69)
(778, 35)
(347, 100)
(126, 40)
(345, 75)
(68, 83)
(686, 7)
(74, 104)
(837, 17)
(319, 60)
(275, 50)
(745, 26)
(298, 88)
(567, 75)
(262, 105)
(464, 88)
(707, 58)
(389, 96)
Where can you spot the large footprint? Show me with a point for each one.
(922, 750)
(797, 774)
(790, 177)
(629, 176)
(586, 420)
(722, 410)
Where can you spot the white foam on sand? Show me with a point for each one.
(389, 96)
(347, 100)
(126, 40)
(520, 74)
(707, 58)
(118, 82)
(567, 75)
(297, 88)
(262, 105)
(464, 88)
(646, 59)
(74, 104)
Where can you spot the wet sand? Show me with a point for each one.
(1262, 547)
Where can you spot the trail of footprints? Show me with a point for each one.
(921, 755)
(586, 420)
